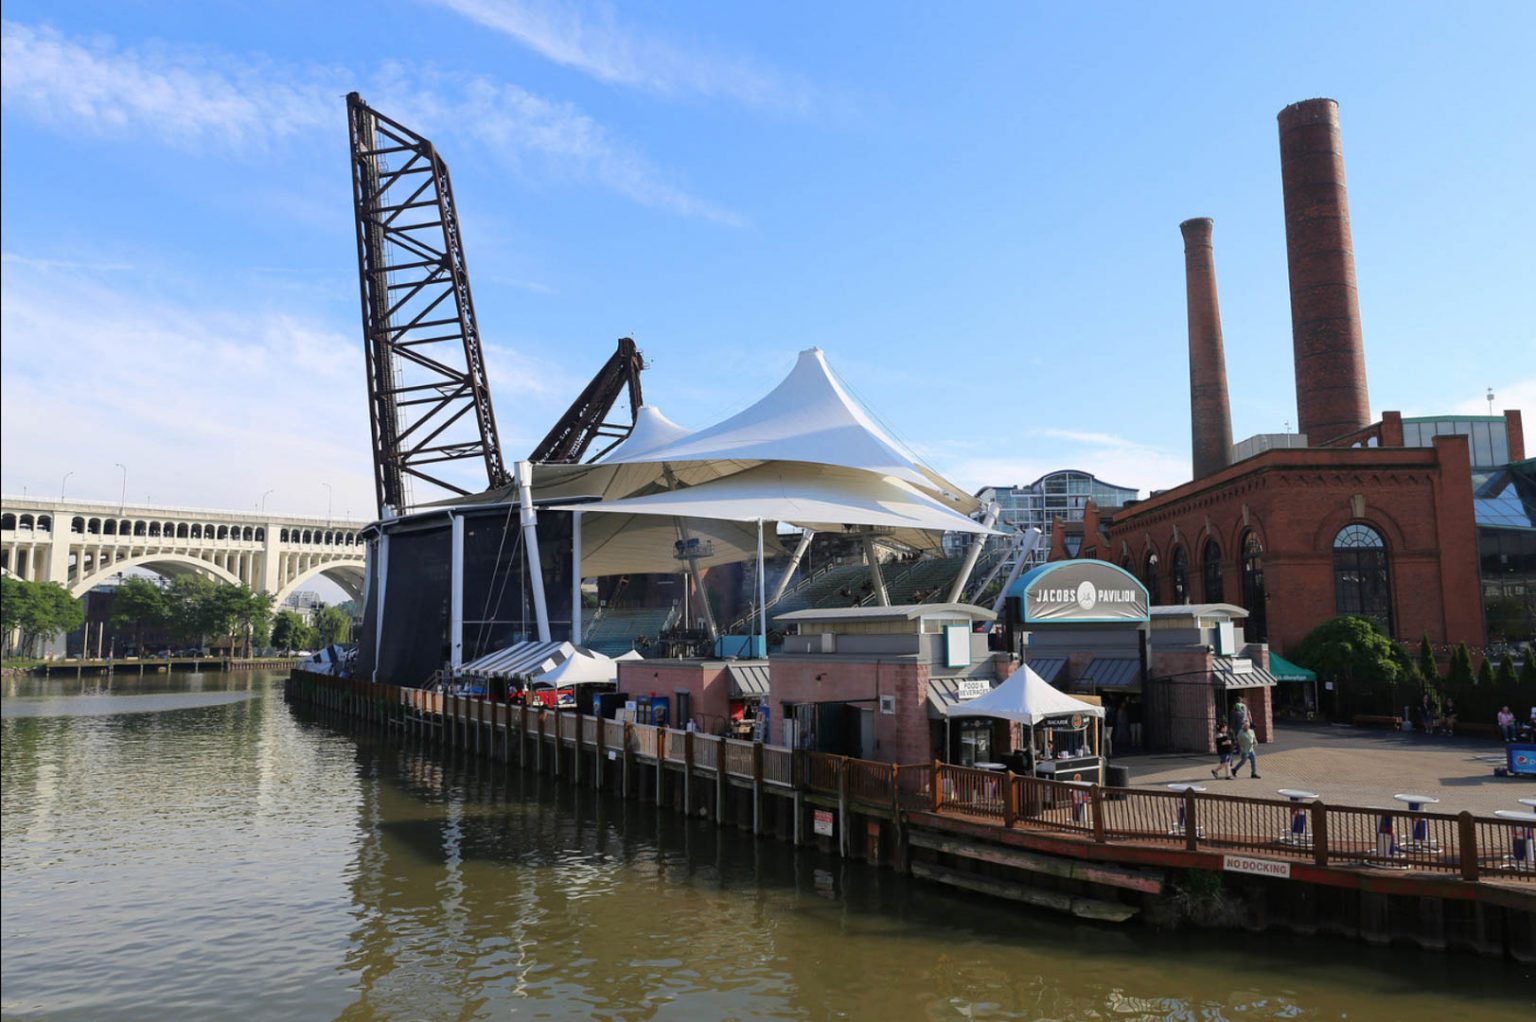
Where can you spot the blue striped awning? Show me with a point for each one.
(1112, 672)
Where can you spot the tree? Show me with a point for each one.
(1504, 677)
(192, 607)
(15, 606)
(1485, 673)
(39, 611)
(333, 625)
(1460, 677)
(1429, 671)
(290, 632)
(139, 604)
(1528, 669)
(241, 613)
(1354, 652)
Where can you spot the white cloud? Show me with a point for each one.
(197, 101)
(1113, 459)
(180, 97)
(590, 39)
(1519, 394)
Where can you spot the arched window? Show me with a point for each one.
(247, 534)
(1150, 577)
(26, 523)
(223, 532)
(1257, 628)
(181, 530)
(139, 528)
(77, 524)
(306, 536)
(282, 535)
(261, 535)
(8, 522)
(1180, 576)
(45, 523)
(197, 532)
(93, 527)
(154, 528)
(1211, 570)
(125, 528)
(1361, 584)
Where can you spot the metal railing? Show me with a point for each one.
(1464, 845)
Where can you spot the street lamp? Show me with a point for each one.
(264, 497)
(122, 500)
(1490, 400)
(62, 484)
(329, 494)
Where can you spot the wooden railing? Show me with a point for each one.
(1471, 847)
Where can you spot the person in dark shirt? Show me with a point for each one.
(1224, 750)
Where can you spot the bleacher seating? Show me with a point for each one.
(616, 629)
(842, 586)
(926, 581)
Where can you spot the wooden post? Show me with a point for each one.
(629, 757)
(688, 754)
(757, 787)
(1191, 824)
(1466, 840)
(576, 746)
(1319, 814)
(601, 759)
(1096, 803)
(558, 729)
(538, 743)
(721, 785)
(936, 786)
(522, 736)
(843, 847)
(1010, 801)
(661, 759)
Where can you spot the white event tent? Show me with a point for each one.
(1025, 698)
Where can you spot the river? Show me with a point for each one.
(192, 847)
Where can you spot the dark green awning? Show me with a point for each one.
(1282, 669)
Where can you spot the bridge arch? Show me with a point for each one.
(165, 564)
(346, 573)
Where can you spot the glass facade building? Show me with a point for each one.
(1055, 495)
(1504, 503)
(1486, 435)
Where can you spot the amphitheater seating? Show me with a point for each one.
(926, 581)
(615, 631)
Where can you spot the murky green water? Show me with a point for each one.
(194, 848)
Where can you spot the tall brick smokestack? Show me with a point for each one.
(1210, 414)
(1331, 397)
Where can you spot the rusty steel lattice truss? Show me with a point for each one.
(428, 399)
(585, 421)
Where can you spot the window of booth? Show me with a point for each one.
(975, 740)
(1180, 576)
(1361, 579)
(1214, 587)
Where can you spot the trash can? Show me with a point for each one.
(1116, 777)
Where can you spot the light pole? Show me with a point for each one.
(62, 484)
(264, 497)
(122, 500)
(329, 494)
(1490, 400)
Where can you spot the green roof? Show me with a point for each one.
(1282, 669)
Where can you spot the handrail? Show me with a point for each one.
(1460, 845)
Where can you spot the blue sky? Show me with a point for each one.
(974, 209)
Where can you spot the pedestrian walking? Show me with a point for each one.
(1224, 747)
(1133, 720)
(1247, 745)
(1448, 716)
(1111, 718)
(1239, 718)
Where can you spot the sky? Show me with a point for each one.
(972, 209)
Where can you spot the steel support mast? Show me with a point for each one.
(428, 400)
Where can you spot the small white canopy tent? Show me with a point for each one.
(583, 667)
(1028, 699)
(1025, 698)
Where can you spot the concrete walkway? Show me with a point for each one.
(1352, 766)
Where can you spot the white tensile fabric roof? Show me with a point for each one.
(521, 659)
(811, 496)
(612, 544)
(652, 431)
(1026, 698)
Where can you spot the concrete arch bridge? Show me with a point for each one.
(81, 544)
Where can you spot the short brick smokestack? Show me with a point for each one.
(1210, 414)
(1331, 397)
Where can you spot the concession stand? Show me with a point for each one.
(1059, 735)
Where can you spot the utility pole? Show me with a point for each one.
(122, 500)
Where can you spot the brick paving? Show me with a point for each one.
(1352, 766)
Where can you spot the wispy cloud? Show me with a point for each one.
(589, 38)
(206, 100)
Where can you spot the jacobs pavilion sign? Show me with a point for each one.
(1082, 591)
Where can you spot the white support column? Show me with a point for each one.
(1026, 544)
(762, 606)
(530, 521)
(971, 555)
(576, 588)
(877, 579)
(456, 593)
(794, 563)
(269, 579)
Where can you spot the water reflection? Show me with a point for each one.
(245, 859)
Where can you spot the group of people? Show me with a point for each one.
(1236, 743)
(1430, 723)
